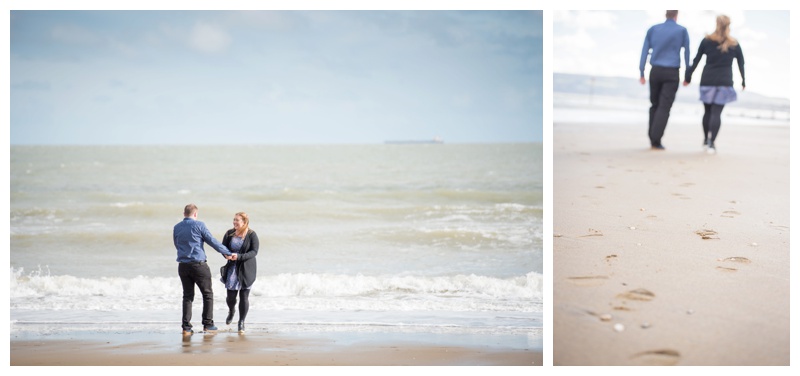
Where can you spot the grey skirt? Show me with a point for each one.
(717, 94)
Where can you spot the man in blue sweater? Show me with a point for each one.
(665, 40)
(189, 236)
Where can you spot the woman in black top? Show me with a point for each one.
(716, 82)
(240, 270)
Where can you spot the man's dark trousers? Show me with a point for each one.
(663, 86)
(196, 273)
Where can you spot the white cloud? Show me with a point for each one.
(582, 20)
(209, 38)
(570, 52)
(575, 42)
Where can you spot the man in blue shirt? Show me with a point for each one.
(665, 40)
(189, 236)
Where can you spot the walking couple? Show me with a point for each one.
(239, 246)
(663, 43)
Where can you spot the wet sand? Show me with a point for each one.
(671, 257)
(257, 349)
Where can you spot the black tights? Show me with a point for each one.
(711, 121)
(244, 302)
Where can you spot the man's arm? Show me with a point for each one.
(210, 240)
(643, 58)
(645, 52)
(686, 50)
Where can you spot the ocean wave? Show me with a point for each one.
(383, 194)
(126, 204)
(307, 284)
(39, 290)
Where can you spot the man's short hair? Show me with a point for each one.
(189, 210)
(672, 13)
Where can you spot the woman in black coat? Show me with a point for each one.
(716, 82)
(240, 270)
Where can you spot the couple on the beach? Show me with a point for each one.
(716, 83)
(239, 246)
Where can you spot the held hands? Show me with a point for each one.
(232, 257)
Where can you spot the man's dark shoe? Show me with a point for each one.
(657, 147)
(210, 328)
(241, 326)
(230, 317)
(188, 332)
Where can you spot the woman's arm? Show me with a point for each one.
(740, 61)
(695, 62)
(253, 251)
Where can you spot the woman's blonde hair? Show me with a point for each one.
(246, 226)
(722, 34)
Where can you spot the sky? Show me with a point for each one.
(274, 77)
(609, 43)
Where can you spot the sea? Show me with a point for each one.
(379, 238)
(607, 110)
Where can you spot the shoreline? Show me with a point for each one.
(671, 257)
(261, 348)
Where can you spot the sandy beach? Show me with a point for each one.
(259, 348)
(670, 257)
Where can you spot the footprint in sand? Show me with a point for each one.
(707, 234)
(735, 259)
(590, 280)
(681, 196)
(663, 357)
(781, 227)
(592, 232)
(638, 294)
(741, 260)
(729, 214)
(601, 317)
(687, 184)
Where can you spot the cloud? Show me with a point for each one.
(208, 38)
(583, 20)
(266, 20)
(74, 35)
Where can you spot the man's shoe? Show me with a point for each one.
(657, 147)
(230, 317)
(241, 326)
(210, 328)
(711, 149)
(188, 332)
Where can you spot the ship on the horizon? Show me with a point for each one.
(435, 140)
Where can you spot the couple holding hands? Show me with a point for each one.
(239, 246)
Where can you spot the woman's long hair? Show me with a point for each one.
(246, 224)
(722, 34)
